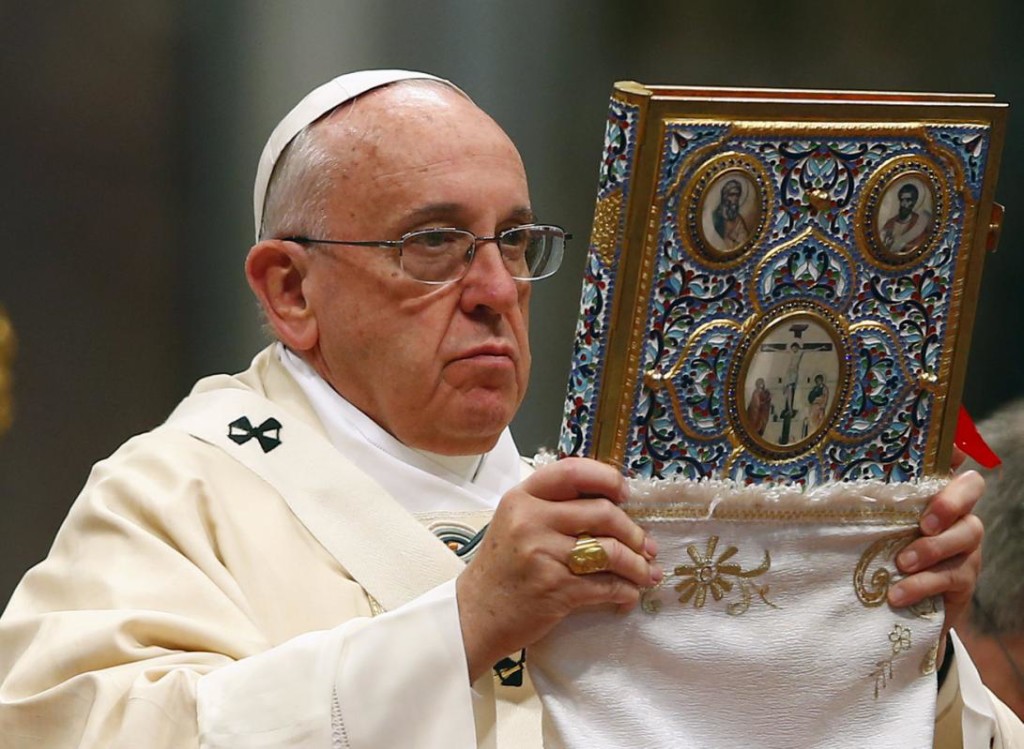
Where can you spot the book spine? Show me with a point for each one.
(597, 300)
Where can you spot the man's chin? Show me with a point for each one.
(479, 420)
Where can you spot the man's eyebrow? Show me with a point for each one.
(446, 211)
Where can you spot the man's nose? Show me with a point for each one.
(488, 282)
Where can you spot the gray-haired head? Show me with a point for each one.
(314, 105)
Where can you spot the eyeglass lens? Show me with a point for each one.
(529, 253)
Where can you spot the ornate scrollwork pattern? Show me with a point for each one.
(879, 383)
(871, 577)
(680, 142)
(970, 144)
(695, 383)
(809, 268)
(599, 280)
(809, 168)
(587, 358)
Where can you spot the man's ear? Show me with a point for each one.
(276, 270)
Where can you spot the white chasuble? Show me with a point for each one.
(770, 628)
(216, 585)
(406, 562)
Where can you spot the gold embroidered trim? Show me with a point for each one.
(886, 515)
(715, 575)
(873, 593)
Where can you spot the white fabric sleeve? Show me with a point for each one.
(396, 680)
(986, 721)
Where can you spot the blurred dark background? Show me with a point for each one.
(131, 131)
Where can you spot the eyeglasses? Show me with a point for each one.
(439, 256)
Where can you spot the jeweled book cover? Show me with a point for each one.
(781, 284)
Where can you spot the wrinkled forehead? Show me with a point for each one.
(406, 124)
(417, 150)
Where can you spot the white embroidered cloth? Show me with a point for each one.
(770, 629)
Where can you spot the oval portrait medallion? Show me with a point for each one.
(790, 382)
(725, 207)
(904, 211)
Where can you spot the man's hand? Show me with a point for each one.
(519, 586)
(946, 560)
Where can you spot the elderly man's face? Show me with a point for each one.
(442, 368)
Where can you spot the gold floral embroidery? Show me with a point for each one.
(715, 575)
(874, 592)
(899, 641)
(900, 638)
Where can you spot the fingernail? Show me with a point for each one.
(930, 524)
(651, 546)
(657, 574)
(897, 596)
(908, 561)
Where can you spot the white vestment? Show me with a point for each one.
(204, 592)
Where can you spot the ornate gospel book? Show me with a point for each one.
(781, 284)
(772, 343)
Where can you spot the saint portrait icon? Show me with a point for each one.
(759, 407)
(906, 214)
(790, 381)
(730, 213)
(818, 398)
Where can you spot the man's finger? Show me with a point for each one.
(572, 478)
(951, 578)
(962, 538)
(621, 561)
(599, 517)
(956, 500)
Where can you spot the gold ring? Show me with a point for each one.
(587, 556)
